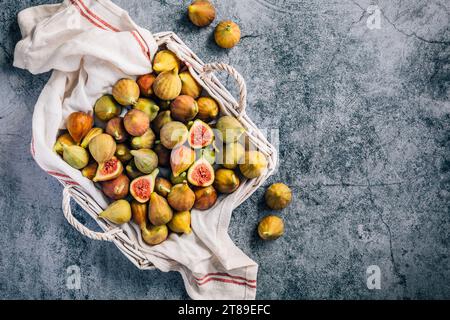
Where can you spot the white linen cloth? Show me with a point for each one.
(90, 45)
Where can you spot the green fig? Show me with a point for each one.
(123, 153)
(76, 156)
(154, 235)
(145, 160)
(145, 141)
(173, 134)
(230, 129)
(161, 119)
(159, 210)
(181, 222)
(63, 140)
(107, 108)
(118, 212)
(147, 106)
(180, 179)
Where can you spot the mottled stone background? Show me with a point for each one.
(364, 140)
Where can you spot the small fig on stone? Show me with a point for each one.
(145, 141)
(145, 160)
(90, 135)
(184, 108)
(271, 228)
(159, 210)
(167, 85)
(201, 13)
(166, 60)
(78, 124)
(189, 86)
(102, 147)
(173, 134)
(278, 196)
(208, 109)
(126, 92)
(227, 34)
(107, 108)
(154, 235)
(181, 222)
(116, 129)
(145, 83)
(148, 106)
(254, 164)
(123, 153)
(181, 197)
(136, 122)
(76, 156)
(116, 188)
(63, 140)
(205, 198)
(118, 212)
(226, 181)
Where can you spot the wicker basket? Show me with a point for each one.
(228, 106)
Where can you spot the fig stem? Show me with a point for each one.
(163, 188)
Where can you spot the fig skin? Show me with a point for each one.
(90, 170)
(154, 235)
(76, 156)
(167, 85)
(190, 86)
(180, 179)
(101, 176)
(232, 155)
(145, 83)
(184, 108)
(107, 108)
(162, 186)
(166, 60)
(132, 171)
(227, 34)
(161, 119)
(126, 92)
(63, 140)
(173, 134)
(271, 227)
(117, 188)
(115, 128)
(226, 181)
(145, 160)
(278, 196)
(254, 164)
(181, 158)
(181, 197)
(230, 129)
(201, 13)
(139, 212)
(159, 210)
(208, 109)
(102, 147)
(163, 155)
(123, 153)
(118, 212)
(148, 106)
(181, 222)
(205, 198)
(78, 124)
(90, 135)
(203, 168)
(136, 122)
(145, 141)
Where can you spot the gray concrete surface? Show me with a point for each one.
(364, 139)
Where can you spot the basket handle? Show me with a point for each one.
(218, 66)
(105, 236)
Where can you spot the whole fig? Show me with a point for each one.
(278, 196)
(208, 109)
(189, 86)
(154, 235)
(205, 198)
(63, 140)
(116, 129)
(230, 129)
(136, 122)
(161, 119)
(145, 141)
(181, 222)
(123, 153)
(181, 158)
(173, 134)
(78, 124)
(118, 212)
(166, 60)
(117, 188)
(227, 34)
(90, 135)
(162, 186)
(181, 197)
(254, 164)
(90, 170)
(167, 85)
(231, 155)
(145, 160)
(139, 212)
(102, 147)
(145, 83)
(184, 108)
(271, 228)
(132, 170)
(107, 108)
(126, 92)
(226, 181)
(201, 13)
(148, 106)
(159, 210)
(76, 156)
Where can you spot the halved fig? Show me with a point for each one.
(201, 173)
(200, 135)
(142, 187)
(108, 170)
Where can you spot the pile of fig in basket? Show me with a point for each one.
(158, 147)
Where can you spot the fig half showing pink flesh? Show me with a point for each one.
(201, 173)
(200, 135)
(142, 187)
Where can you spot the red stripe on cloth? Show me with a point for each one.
(86, 16)
(224, 275)
(226, 281)
(54, 173)
(144, 50)
(106, 24)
